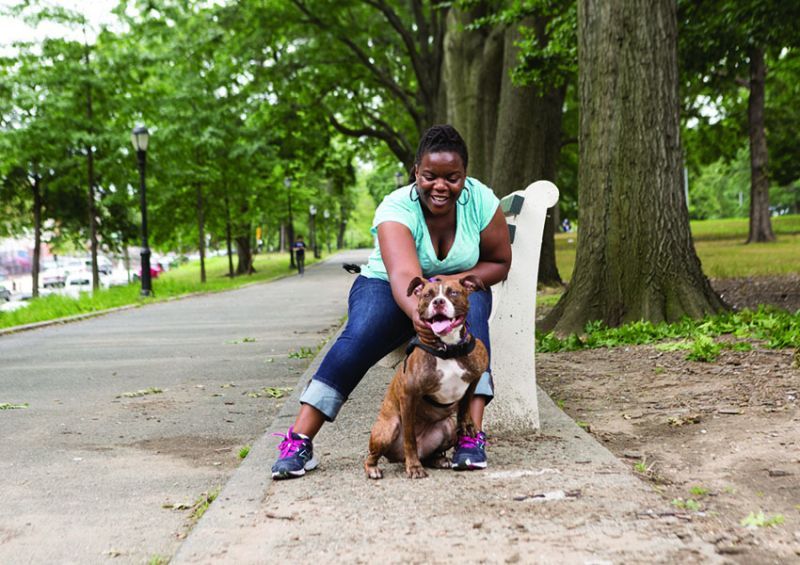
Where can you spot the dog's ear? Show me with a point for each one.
(472, 283)
(415, 285)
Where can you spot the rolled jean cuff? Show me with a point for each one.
(324, 398)
(485, 386)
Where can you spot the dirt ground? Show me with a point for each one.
(719, 440)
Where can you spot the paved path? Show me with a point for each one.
(87, 472)
(556, 497)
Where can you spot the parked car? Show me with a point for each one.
(81, 281)
(155, 270)
(53, 277)
(5, 294)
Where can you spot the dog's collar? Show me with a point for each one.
(449, 351)
(436, 404)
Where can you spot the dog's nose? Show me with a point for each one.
(438, 302)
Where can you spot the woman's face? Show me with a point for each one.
(440, 180)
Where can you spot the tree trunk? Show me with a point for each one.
(228, 236)
(528, 143)
(244, 254)
(37, 233)
(635, 257)
(760, 223)
(473, 75)
(340, 232)
(201, 231)
(513, 133)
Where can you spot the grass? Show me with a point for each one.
(202, 503)
(720, 244)
(177, 282)
(777, 329)
(736, 228)
(761, 520)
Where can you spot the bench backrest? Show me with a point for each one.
(513, 320)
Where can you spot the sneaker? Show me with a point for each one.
(297, 456)
(470, 453)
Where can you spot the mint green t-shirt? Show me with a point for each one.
(471, 219)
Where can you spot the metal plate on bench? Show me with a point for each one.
(512, 230)
(512, 204)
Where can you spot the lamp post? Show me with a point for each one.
(398, 179)
(312, 213)
(325, 228)
(287, 182)
(140, 136)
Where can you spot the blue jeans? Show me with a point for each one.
(375, 327)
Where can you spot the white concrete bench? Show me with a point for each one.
(513, 320)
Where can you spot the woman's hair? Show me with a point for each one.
(442, 138)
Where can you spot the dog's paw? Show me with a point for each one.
(374, 472)
(415, 471)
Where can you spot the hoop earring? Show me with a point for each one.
(412, 192)
(469, 195)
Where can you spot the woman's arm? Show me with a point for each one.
(399, 255)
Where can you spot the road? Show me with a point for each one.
(91, 472)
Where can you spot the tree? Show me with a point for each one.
(507, 67)
(40, 159)
(410, 67)
(635, 258)
(725, 44)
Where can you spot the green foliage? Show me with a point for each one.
(202, 503)
(704, 349)
(688, 504)
(302, 353)
(718, 39)
(776, 328)
(761, 520)
(269, 392)
(244, 452)
(139, 393)
(10, 406)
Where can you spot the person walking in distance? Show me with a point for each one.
(299, 248)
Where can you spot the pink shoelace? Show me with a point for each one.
(469, 442)
(289, 446)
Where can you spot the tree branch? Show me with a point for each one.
(382, 77)
(392, 139)
(417, 63)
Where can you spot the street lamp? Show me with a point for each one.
(139, 137)
(398, 179)
(287, 182)
(312, 212)
(326, 227)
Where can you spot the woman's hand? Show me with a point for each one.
(423, 330)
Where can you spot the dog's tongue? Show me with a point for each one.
(441, 326)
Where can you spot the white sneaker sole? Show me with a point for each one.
(468, 466)
(310, 465)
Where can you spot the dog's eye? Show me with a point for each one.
(452, 292)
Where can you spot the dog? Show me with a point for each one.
(415, 423)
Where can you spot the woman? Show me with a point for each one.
(444, 224)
